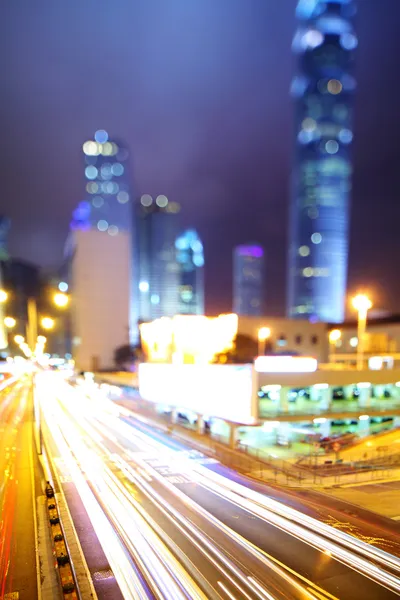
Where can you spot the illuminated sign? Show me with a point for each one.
(222, 391)
(285, 364)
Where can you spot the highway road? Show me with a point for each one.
(18, 571)
(174, 524)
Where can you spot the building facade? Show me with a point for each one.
(319, 214)
(190, 259)
(100, 267)
(248, 280)
(107, 206)
(158, 274)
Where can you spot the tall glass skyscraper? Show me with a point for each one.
(107, 205)
(248, 280)
(190, 259)
(319, 216)
(157, 275)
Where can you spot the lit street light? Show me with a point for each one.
(41, 339)
(10, 322)
(3, 296)
(334, 337)
(19, 339)
(362, 304)
(61, 300)
(47, 323)
(264, 333)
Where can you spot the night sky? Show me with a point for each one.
(199, 89)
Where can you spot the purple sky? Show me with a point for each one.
(200, 91)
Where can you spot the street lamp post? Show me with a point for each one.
(362, 304)
(264, 333)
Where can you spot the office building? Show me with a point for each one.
(190, 259)
(323, 91)
(107, 205)
(158, 277)
(248, 280)
(100, 268)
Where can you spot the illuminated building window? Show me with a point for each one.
(97, 201)
(334, 86)
(146, 200)
(345, 136)
(309, 124)
(102, 225)
(144, 286)
(316, 238)
(281, 341)
(91, 172)
(113, 230)
(314, 339)
(331, 146)
(92, 187)
(353, 342)
(304, 250)
(155, 299)
(123, 197)
(348, 41)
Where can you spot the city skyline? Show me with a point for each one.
(207, 155)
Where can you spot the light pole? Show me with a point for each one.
(264, 333)
(362, 304)
(334, 337)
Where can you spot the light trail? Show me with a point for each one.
(165, 577)
(101, 420)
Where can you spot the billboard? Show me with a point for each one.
(222, 391)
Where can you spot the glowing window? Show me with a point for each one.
(144, 286)
(123, 197)
(146, 200)
(348, 41)
(92, 188)
(353, 342)
(334, 86)
(345, 136)
(162, 201)
(117, 169)
(309, 124)
(331, 146)
(97, 201)
(91, 172)
(101, 136)
(316, 238)
(102, 225)
(304, 251)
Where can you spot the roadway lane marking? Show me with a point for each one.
(227, 592)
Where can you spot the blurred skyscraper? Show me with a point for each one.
(190, 259)
(248, 280)
(158, 277)
(319, 215)
(107, 206)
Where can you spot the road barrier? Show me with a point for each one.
(63, 563)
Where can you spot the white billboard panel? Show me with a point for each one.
(222, 391)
